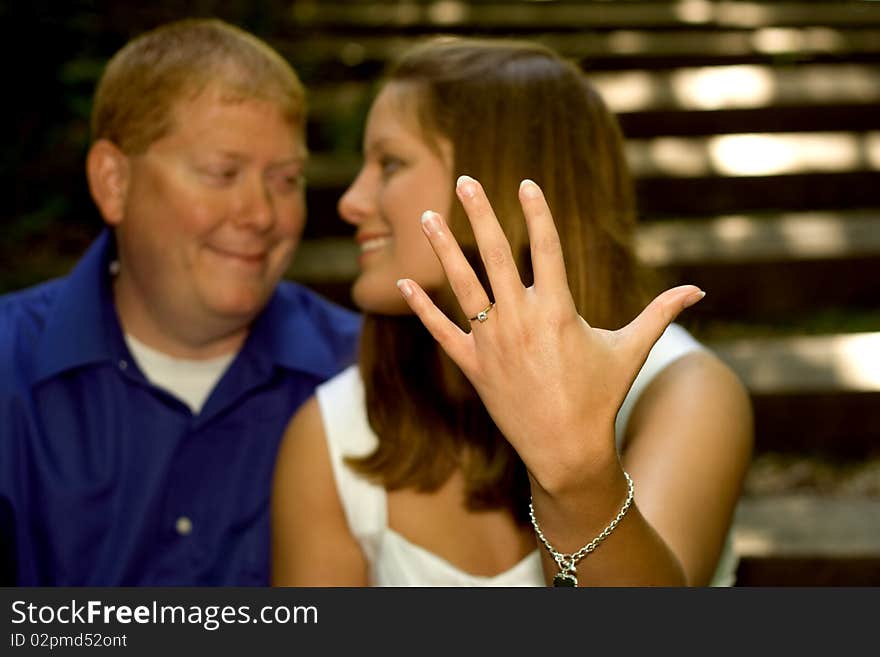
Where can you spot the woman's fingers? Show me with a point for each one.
(448, 335)
(491, 241)
(464, 282)
(547, 262)
(641, 333)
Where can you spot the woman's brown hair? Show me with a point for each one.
(511, 110)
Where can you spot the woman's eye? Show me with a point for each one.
(390, 165)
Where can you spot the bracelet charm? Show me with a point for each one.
(567, 575)
(565, 578)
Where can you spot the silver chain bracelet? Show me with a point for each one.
(567, 575)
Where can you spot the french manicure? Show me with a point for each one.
(529, 189)
(404, 286)
(466, 186)
(431, 222)
(693, 298)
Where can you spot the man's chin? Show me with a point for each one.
(243, 306)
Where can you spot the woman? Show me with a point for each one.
(488, 449)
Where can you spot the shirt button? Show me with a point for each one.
(123, 365)
(183, 526)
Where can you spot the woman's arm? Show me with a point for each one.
(687, 448)
(311, 541)
(688, 445)
(553, 384)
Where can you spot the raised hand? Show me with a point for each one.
(552, 383)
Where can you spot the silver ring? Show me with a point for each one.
(483, 315)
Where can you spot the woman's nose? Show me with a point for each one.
(355, 203)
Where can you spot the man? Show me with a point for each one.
(142, 397)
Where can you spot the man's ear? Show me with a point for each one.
(107, 170)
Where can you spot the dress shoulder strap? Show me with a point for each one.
(672, 345)
(343, 411)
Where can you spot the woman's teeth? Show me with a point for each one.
(374, 243)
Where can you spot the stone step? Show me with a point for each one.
(685, 101)
(808, 539)
(729, 155)
(772, 571)
(857, 117)
(811, 394)
(713, 88)
(805, 525)
(776, 473)
(753, 237)
(685, 89)
(731, 239)
(341, 56)
(534, 16)
(841, 424)
(805, 364)
(767, 154)
(781, 296)
(659, 198)
(677, 197)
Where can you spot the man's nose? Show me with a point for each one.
(256, 205)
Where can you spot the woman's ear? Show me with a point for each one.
(107, 170)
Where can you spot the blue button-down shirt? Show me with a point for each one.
(106, 480)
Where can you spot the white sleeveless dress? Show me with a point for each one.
(395, 561)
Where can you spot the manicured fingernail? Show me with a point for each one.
(466, 186)
(529, 189)
(404, 286)
(431, 222)
(693, 298)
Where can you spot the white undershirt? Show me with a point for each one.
(191, 381)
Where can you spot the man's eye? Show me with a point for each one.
(294, 182)
(221, 175)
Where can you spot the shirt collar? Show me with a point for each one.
(292, 333)
(82, 327)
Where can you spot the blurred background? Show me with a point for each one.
(753, 132)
